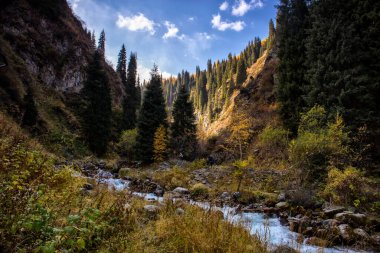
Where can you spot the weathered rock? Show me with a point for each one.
(180, 211)
(284, 249)
(281, 197)
(345, 232)
(181, 190)
(316, 241)
(236, 195)
(354, 219)
(159, 191)
(332, 210)
(360, 234)
(151, 208)
(225, 196)
(282, 205)
(330, 223)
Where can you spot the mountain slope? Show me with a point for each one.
(47, 50)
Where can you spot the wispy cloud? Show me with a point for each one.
(191, 19)
(241, 7)
(136, 23)
(223, 6)
(217, 23)
(172, 31)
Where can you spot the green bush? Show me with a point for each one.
(348, 187)
(318, 146)
(272, 144)
(127, 143)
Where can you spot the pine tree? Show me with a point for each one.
(102, 44)
(183, 130)
(160, 144)
(292, 24)
(130, 101)
(241, 73)
(152, 115)
(97, 113)
(30, 114)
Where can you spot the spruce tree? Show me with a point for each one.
(102, 44)
(183, 130)
(241, 73)
(97, 113)
(130, 101)
(152, 115)
(292, 24)
(345, 78)
(121, 67)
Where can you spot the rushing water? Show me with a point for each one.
(266, 227)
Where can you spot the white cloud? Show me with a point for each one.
(241, 7)
(191, 19)
(136, 23)
(172, 31)
(74, 4)
(144, 73)
(223, 6)
(223, 25)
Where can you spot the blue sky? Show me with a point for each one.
(176, 34)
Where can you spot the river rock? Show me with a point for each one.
(281, 197)
(284, 249)
(360, 234)
(316, 241)
(355, 219)
(282, 205)
(159, 191)
(179, 211)
(294, 224)
(225, 196)
(345, 232)
(181, 190)
(332, 210)
(330, 223)
(88, 186)
(151, 208)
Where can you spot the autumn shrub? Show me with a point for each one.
(175, 177)
(199, 191)
(349, 187)
(318, 146)
(197, 164)
(127, 143)
(196, 230)
(272, 144)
